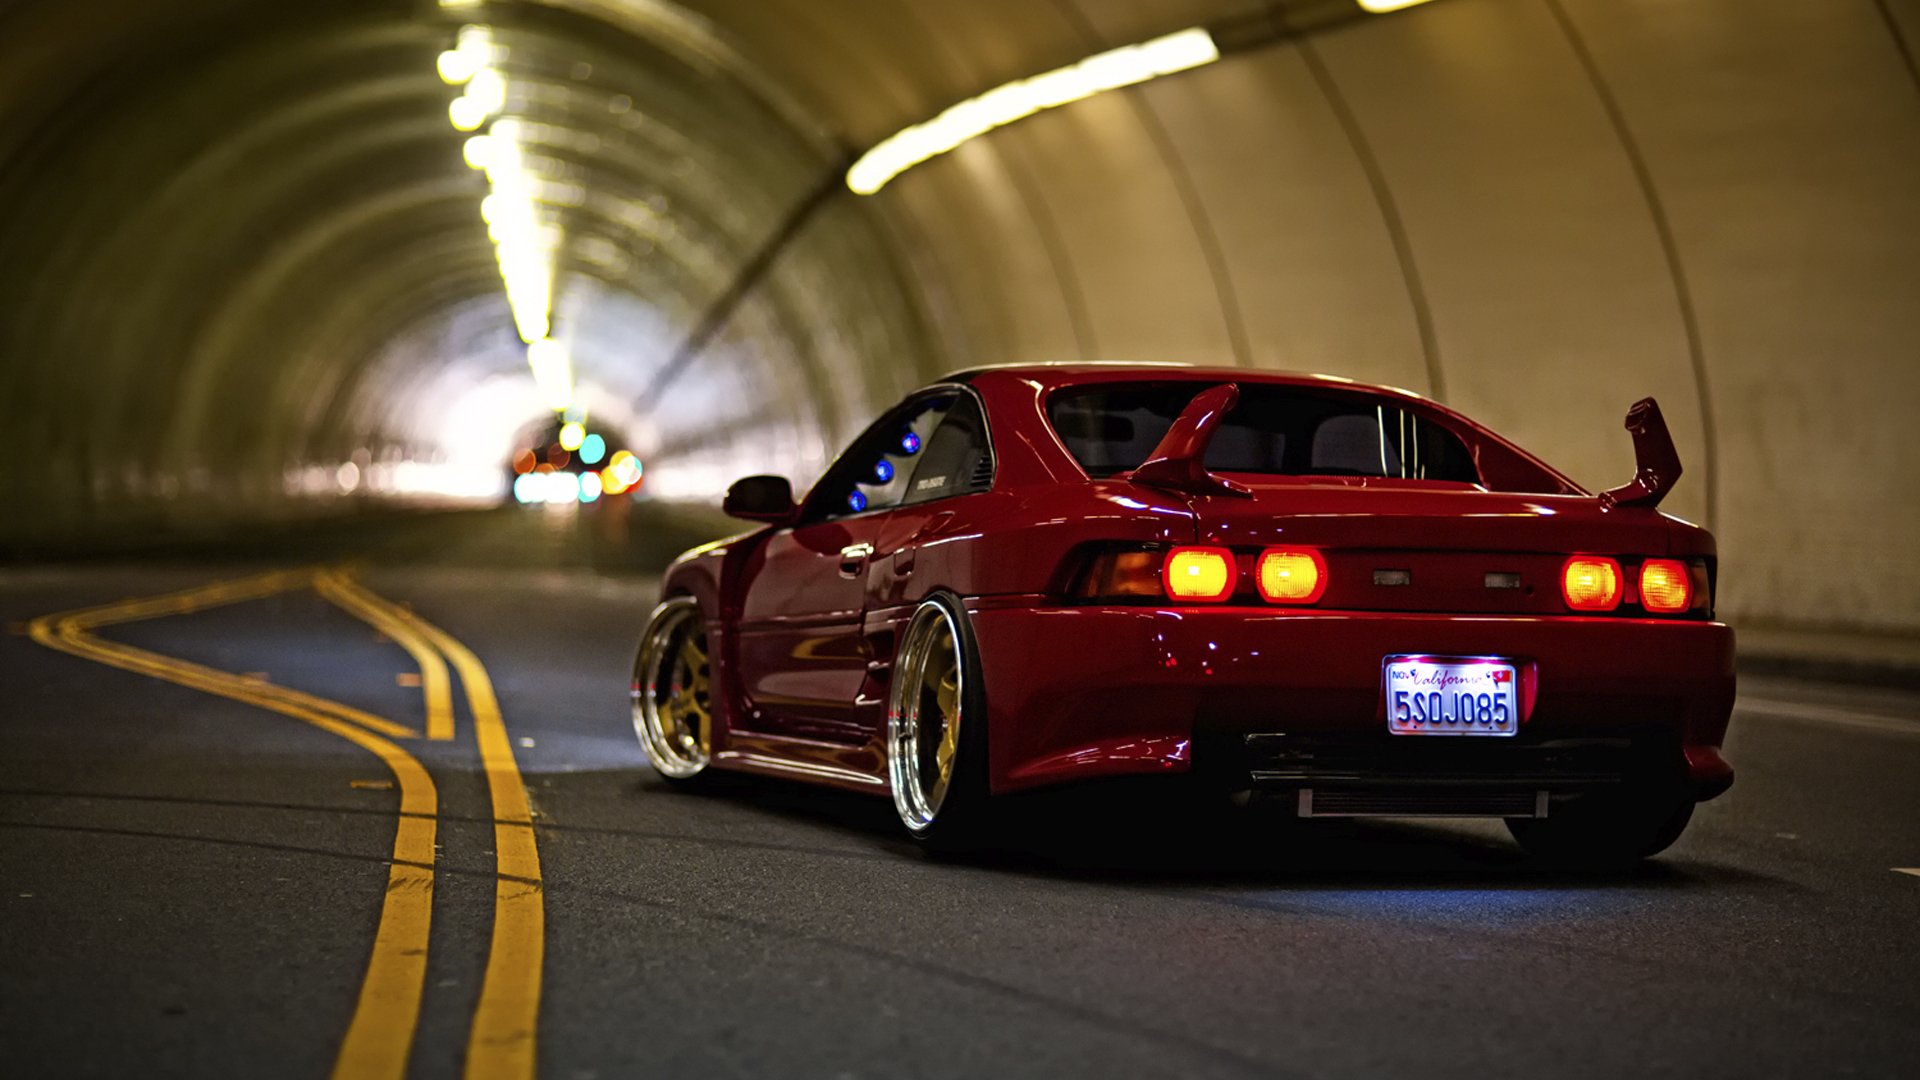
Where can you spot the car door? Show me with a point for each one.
(957, 461)
(801, 653)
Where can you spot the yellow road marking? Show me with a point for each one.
(187, 673)
(377, 613)
(502, 1041)
(380, 1036)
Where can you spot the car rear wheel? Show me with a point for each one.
(1602, 832)
(936, 728)
(672, 691)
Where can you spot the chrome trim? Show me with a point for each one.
(676, 762)
(918, 802)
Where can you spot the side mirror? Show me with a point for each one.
(760, 498)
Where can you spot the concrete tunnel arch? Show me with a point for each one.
(1538, 210)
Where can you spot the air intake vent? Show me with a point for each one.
(982, 477)
(1389, 802)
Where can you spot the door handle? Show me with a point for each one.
(853, 557)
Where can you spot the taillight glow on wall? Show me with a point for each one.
(1666, 586)
(1198, 573)
(1291, 575)
(1591, 583)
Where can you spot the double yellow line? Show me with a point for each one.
(379, 1039)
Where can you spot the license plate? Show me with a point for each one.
(1442, 695)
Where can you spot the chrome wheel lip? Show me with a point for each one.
(917, 806)
(649, 665)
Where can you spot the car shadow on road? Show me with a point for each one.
(1147, 835)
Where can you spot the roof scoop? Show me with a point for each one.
(1656, 463)
(1175, 464)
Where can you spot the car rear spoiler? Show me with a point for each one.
(1656, 463)
(1175, 464)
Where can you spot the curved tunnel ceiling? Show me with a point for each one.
(245, 223)
(244, 247)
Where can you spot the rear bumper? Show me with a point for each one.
(1260, 698)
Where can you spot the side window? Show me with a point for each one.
(875, 472)
(957, 460)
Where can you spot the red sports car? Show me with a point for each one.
(1298, 587)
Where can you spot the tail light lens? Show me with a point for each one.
(1291, 575)
(1198, 573)
(1591, 583)
(1666, 586)
(1121, 573)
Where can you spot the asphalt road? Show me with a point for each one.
(195, 884)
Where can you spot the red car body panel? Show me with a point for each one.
(1075, 690)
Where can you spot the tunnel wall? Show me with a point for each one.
(267, 260)
(1537, 211)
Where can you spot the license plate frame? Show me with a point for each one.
(1414, 685)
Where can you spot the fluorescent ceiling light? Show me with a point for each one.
(1023, 97)
(1381, 7)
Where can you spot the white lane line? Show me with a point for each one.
(1914, 870)
(1828, 714)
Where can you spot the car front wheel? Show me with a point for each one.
(936, 728)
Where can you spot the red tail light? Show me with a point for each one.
(1198, 573)
(1591, 583)
(1666, 586)
(1291, 575)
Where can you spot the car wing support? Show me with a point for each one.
(1656, 463)
(1176, 464)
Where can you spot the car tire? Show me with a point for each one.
(937, 771)
(1601, 832)
(672, 693)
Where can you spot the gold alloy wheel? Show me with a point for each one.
(672, 692)
(924, 714)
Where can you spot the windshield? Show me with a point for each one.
(1282, 430)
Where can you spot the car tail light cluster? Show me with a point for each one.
(1598, 583)
(1204, 575)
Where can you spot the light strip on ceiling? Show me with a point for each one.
(526, 237)
(1381, 7)
(1023, 97)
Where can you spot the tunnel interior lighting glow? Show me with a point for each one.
(592, 449)
(572, 435)
(1381, 7)
(623, 472)
(1021, 98)
(590, 487)
(525, 233)
(552, 372)
(560, 488)
(473, 51)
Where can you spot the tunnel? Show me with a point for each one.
(385, 691)
(247, 252)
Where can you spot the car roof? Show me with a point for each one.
(1053, 376)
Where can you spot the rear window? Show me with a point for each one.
(1281, 430)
